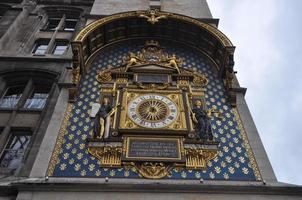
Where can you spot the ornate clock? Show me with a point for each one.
(152, 111)
(151, 124)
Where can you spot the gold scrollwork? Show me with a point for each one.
(197, 158)
(200, 80)
(183, 82)
(108, 156)
(76, 75)
(106, 90)
(104, 76)
(153, 170)
(152, 86)
(129, 124)
(152, 53)
(121, 80)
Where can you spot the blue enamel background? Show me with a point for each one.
(232, 162)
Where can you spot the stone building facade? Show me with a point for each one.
(51, 52)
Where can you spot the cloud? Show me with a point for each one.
(267, 58)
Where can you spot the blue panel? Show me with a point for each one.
(232, 162)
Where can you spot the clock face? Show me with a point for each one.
(152, 111)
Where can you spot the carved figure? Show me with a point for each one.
(202, 121)
(100, 121)
(173, 62)
(133, 60)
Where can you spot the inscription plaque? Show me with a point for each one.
(153, 149)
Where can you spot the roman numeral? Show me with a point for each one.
(153, 125)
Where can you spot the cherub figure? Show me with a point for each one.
(132, 60)
(173, 62)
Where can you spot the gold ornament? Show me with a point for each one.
(76, 75)
(104, 76)
(200, 80)
(153, 16)
(153, 170)
(108, 156)
(197, 158)
(153, 110)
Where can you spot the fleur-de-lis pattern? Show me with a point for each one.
(235, 160)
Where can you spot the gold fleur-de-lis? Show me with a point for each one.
(226, 176)
(98, 173)
(212, 175)
(245, 170)
(217, 170)
(63, 166)
(83, 172)
(112, 173)
(231, 170)
(91, 167)
(77, 167)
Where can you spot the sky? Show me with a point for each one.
(268, 59)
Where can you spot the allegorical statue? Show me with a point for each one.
(102, 121)
(202, 121)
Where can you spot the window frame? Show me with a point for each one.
(29, 87)
(38, 43)
(32, 93)
(47, 28)
(58, 43)
(63, 17)
(15, 160)
(10, 138)
(5, 92)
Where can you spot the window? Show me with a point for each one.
(67, 24)
(70, 24)
(23, 100)
(60, 48)
(62, 18)
(11, 96)
(53, 23)
(14, 149)
(31, 96)
(38, 98)
(40, 47)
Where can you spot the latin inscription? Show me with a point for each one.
(161, 149)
